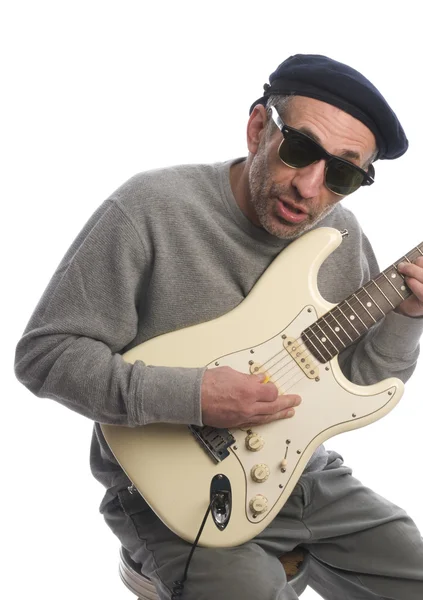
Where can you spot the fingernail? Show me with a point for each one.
(290, 413)
(297, 401)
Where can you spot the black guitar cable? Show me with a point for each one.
(178, 585)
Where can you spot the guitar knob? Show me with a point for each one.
(258, 504)
(260, 473)
(254, 442)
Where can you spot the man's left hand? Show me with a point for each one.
(413, 272)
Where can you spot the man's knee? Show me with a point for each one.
(232, 574)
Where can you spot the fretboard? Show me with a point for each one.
(353, 317)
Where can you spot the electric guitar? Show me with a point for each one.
(250, 473)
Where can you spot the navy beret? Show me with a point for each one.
(330, 81)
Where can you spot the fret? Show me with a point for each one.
(397, 281)
(383, 293)
(338, 327)
(322, 340)
(308, 339)
(353, 318)
(411, 256)
(382, 301)
(356, 313)
(334, 329)
(350, 319)
(326, 336)
(364, 307)
(372, 302)
(340, 318)
(392, 285)
(323, 344)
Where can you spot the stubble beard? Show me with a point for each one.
(263, 197)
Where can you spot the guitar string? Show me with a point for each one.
(354, 302)
(283, 384)
(290, 362)
(302, 355)
(293, 370)
(330, 314)
(293, 364)
(300, 341)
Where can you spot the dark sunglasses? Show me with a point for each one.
(298, 150)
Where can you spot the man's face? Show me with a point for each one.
(285, 201)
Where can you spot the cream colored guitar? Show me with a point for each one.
(251, 473)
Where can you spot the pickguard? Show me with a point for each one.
(326, 406)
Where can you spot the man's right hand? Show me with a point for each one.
(233, 399)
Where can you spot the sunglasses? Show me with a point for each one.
(298, 150)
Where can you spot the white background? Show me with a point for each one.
(94, 92)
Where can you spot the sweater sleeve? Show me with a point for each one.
(390, 349)
(71, 348)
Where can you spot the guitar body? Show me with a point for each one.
(173, 472)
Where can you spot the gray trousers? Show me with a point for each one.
(361, 546)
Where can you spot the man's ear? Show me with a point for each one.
(256, 127)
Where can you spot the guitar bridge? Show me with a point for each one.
(215, 441)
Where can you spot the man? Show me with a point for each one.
(180, 246)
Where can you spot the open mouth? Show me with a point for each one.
(290, 213)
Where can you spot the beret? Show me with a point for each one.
(330, 81)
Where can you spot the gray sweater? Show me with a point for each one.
(169, 249)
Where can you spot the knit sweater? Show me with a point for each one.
(170, 249)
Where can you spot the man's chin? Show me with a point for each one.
(283, 229)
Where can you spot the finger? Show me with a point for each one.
(413, 275)
(416, 287)
(287, 413)
(266, 391)
(277, 410)
(418, 261)
(267, 412)
(414, 270)
(281, 403)
(261, 377)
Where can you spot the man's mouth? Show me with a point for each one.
(290, 212)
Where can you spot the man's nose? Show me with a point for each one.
(309, 180)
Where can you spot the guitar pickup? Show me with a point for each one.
(300, 353)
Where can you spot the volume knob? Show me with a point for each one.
(258, 504)
(260, 473)
(254, 442)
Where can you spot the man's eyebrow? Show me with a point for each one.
(347, 154)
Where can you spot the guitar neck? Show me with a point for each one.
(353, 317)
